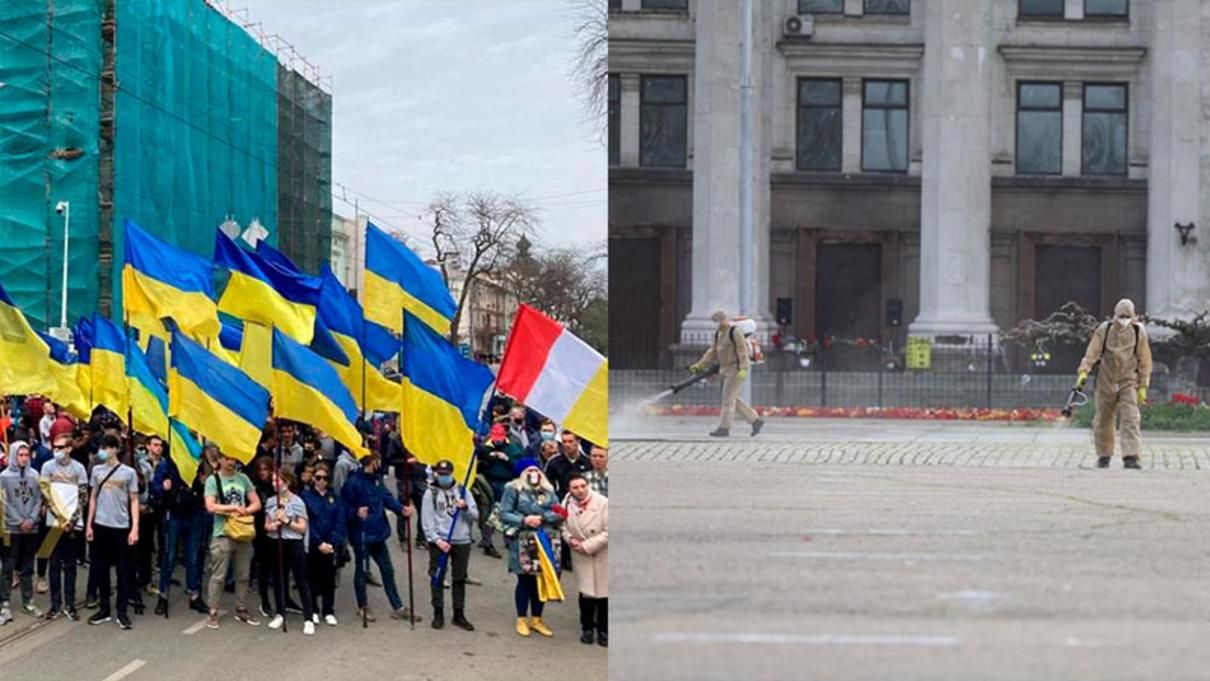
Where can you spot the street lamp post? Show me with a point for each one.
(64, 208)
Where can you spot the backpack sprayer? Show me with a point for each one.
(756, 355)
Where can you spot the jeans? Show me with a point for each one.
(321, 574)
(526, 596)
(188, 529)
(293, 561)
(148, 533)
(63, 573)
(19, 559)
(459, 559)
(377, 551)
(594, 614)
(264, 554)
(111, 550)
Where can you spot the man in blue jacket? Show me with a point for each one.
(366, 501)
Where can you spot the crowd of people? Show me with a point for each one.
(92, 495)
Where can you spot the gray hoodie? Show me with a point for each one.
(437, 514)
(345, 465)
(22, 496)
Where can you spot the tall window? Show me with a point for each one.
(884, 125)
(888, 6)
(1040, 8)
(820, 6)
(615, 5)
(666, 4)
(1039, 128)
(1105, 125)
(663, 121)
(1106, 8)
(819, 124)
(615, 120)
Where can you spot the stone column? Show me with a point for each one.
(1178, 184)
(850, 115)
(955, 214)
(1073, 110)
(628, 151)
(715, 153)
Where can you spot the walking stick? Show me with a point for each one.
(407, 538)
(281, 569)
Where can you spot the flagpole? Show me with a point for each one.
(280, 582)
(407, 483)
(443, 559)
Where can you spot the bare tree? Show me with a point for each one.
(563, 284)
(474, 235)
(590, 68)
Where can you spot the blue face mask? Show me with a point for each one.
(103, 456)
(547, 436)
(445, 480)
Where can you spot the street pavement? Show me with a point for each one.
(181, 648)
(833, 549)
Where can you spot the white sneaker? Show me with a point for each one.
(276, 622)
(315, 617)
(308, 628)
(330, 620)
(6, 614)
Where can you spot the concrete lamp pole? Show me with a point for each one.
(745, 177)
(64, 208)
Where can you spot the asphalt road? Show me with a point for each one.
(181, 648)
(1005, 566)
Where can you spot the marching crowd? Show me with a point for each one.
(83, 495)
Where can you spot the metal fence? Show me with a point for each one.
(982, 373)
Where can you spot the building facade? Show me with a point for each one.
(486, 316)
(927, 167)
(348, 259)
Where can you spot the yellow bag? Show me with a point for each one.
(240, 528)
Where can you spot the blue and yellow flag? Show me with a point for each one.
(66, 369)
(24, 357)
(307, 389)
(161, 281)
(442, 397)
(216, 399)
(108, 366)
(149, 413)
(343, 317)
(397, 279)
(266, 294)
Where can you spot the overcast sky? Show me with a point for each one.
(452, 95)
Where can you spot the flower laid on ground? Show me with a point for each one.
(925, 413)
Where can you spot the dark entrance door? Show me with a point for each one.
(634, 315)
(1066, 273)
(848, 295)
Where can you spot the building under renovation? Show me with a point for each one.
(177, 115)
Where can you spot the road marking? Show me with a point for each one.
(201, 624)
(126, 671)
(842, 555)
(893, 532)
(810, 639)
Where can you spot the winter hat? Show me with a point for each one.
(498, 432)
(527, 462)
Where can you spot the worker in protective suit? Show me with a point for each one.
(730, 350)
(1121, 349)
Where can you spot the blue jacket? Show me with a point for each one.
(325, 518)
(362, 489)
(519, 501)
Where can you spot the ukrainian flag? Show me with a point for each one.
(397, 279)
(264, 293)
(24, 357)
(65, 369)
(108, 366)
(149, 412)
(307, 389)
(160, 280)
(216, 399)
(343, 317)
(442, 397)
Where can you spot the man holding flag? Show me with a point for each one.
(448, 511)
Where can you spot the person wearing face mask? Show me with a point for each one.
(68, 480)
(366, 501)
(286, 525)
(442, 500)
(112, 528)
(148, 529)
(497, 458)
(587, 532)
(546, 433)
(518, 428)
(22, 505)
(326, 538)
(1121, 350)
(528, 507)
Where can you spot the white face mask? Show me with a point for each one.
(534, 478)
(1123, 321)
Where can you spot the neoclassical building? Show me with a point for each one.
(932, 167)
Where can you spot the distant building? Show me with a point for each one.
(486, 318)
(348, 252)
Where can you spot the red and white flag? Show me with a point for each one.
(556, 374)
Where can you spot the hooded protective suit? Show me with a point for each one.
(1123, 353)
(730, 350)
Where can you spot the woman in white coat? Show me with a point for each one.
(587, 532)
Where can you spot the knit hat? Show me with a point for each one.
(527, 462)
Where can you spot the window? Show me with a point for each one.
(820, 6)
(884, 125)
(1041, 8)
(1104, 129)
(615, 122)
(819, 124)
(615, 5)
(663, 121)
(1107, 8)
(1039, 128)
(666, 4)
(888, 6)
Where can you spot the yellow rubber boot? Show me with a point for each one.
(522, 627)
(536, 624)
